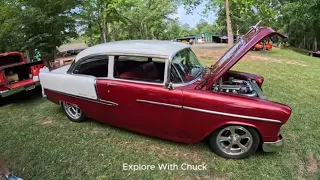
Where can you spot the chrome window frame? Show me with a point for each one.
(182, 83)
(167, 71)
(74, 65)
(111, 64)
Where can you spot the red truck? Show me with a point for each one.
(16, 74)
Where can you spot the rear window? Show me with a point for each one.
(11, 59)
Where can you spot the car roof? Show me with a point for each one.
(155, 48)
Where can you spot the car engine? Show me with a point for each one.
(237, 86)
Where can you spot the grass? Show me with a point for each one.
(41, 143)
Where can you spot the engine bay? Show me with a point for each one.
(247, 87)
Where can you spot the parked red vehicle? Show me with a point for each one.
(314, 54)
(159, 88)
(16, 74)
(263, 45)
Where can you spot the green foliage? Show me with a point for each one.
(42, 24)
(300, 20)
(135, 19)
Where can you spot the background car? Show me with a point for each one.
(314, 54)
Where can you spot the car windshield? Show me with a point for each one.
(186, 65)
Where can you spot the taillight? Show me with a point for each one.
(34, 71)
(2, 78)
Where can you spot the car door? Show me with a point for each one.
(146, 108)
(142, 105)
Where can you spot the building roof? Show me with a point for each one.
(187, 37)
(72, 46)
(135, 47)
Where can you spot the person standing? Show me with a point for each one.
(5, 171)
(191, 41)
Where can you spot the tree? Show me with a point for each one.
(41, 24)
(300, 20)
(135, 19)
(212, 4)
(229, 27)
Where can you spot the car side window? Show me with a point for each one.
(139, 68)
(97, 67)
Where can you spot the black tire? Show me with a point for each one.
(216, 148)
(80, 117)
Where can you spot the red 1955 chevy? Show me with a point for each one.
(16, 74)
(159, 88)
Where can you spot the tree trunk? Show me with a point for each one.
(315, 44)
(91, 34)
(103, 30)
(229, 27)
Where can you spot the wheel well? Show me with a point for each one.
(260, 136)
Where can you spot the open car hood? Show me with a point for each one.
(237, 51)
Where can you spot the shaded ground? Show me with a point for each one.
(41, 143)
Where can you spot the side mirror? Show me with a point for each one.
(169, 86)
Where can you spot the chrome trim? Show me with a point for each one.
(111, 67)
(111, 84)
(170, 63)
(159, 103)
(10, 92)
(133, 81)
(109, 103)
(121, 54)
(273, 146)
(96, 88)
(232, 115)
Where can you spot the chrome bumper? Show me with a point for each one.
(273, 146)
(10, 92)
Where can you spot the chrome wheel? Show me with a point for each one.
(72, 111)
(234, 140)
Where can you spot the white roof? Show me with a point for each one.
(135, 47)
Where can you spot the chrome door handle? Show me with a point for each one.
(111, 84)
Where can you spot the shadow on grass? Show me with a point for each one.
(22, 97)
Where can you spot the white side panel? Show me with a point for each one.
(83, 86)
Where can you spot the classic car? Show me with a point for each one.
(159, 88)
(314, 54)
(16, 74)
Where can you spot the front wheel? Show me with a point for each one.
(234, 142)
(73, 112)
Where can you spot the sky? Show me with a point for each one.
(194, 18)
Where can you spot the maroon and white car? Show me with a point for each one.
(314, 54)
(160, 88)
(16, 74)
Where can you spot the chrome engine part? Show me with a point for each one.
(238, 86)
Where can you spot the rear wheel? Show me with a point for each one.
(73, 112)
(235, 142)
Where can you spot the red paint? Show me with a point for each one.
(172, 123)
(143, 117)
(23, 60)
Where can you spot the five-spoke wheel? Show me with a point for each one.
(234, 141)
(73, 112)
